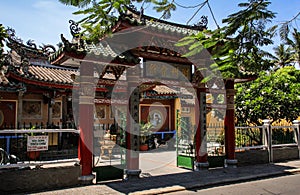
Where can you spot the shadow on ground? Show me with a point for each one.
(190, 180)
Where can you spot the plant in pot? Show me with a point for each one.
(144, 134)
(32, 155)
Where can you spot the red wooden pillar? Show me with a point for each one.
(229, 124)
(86, 121)
(133, 128)
(200, 116)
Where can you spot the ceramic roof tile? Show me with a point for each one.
(162, 89)
(171, 27)
(100, 49)
(48, 74)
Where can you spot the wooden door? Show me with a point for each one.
(7, 114)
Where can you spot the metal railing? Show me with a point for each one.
(251, 137)
(283, 135)
(215, 139)
(268, 137)
(264, 137)
(62, 144)
(292, 137)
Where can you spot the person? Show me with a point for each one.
(155, 120)
(107, 135)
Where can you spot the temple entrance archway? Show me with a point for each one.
(164, 68)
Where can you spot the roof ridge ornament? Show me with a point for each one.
(74, 29)
(66, 43)
(132, 7)
(202, 24)
(27, 49)
(46, 49)
(31, 43)
(25, 66)
(12, 35)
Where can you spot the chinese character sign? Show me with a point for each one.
(156, 69)
(37, 143)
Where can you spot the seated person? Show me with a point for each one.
(107, 135)
(107, 144)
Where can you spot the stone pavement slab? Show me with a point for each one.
(185, 180)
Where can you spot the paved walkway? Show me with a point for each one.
(176, 179)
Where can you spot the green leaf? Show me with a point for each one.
(185, 41)
(196, 45)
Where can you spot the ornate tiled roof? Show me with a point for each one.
(158, 91)
(101, 49)
(168, 27)
(40, 72)
(44, 75)
(8, 86)
(162, 90)
(36, 69)
(101, 52)
(28, 50)
(139, 19)
(160, 25)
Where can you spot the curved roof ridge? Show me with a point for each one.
(142, 16)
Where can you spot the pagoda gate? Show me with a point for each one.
(138, 58)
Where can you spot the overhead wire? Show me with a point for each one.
(200, 6)
(188, 7)
(196, 12)
(212, 14)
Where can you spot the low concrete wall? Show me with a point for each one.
(250, 157)
(285, 153)
(22, 180)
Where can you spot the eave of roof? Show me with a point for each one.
(136, 18)
(7, 86)
(163, 90)
(43, 76)
(97, 53)
(158, 26)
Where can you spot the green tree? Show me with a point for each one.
(99, 15)
(283, 56)
(3, 35)
(236, 48)
(295, 45)
(76, 3)
(273, 96)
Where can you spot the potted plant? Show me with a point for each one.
(144, 134)
(32, 155)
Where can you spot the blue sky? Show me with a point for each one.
(44, 20)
